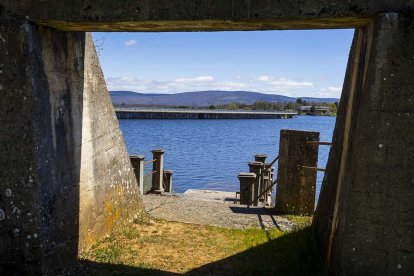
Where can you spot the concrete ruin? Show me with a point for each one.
(66, 179)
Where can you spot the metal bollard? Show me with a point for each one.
(261, 158)
(267, 182)
(256, 167)
(137, 162)
(246, 190)
(168, 180)
(158, 171)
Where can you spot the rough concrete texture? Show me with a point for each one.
(214, 208)
(167, 15)
(372, 218)
(295, 190)
(364, 219)
(66, 175)
(108, 187)
(19, 186)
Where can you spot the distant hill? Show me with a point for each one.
(203, 98)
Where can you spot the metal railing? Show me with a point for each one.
(260, 175)
(267, 188)
(262, 183)
(152, 180)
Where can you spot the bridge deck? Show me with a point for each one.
(180, 113)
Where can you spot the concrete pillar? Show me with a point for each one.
(364, 220)
(256, 167)
(158, 169)
(246, 190)
(61, 144)
(137, 162)
(295, 192)
(168, 180)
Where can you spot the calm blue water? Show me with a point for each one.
(209, 154)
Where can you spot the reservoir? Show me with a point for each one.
(209, 154)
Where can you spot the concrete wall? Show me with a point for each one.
(66, 175)
(108, 186)
(371, 166)
(19, 186)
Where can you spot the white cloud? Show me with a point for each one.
(130, 42)
(265, 78)
(196, 79)
(273, 85)
(335, 89)
(284, 83)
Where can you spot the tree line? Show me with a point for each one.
(264, 105)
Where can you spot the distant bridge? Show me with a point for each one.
(181, 113)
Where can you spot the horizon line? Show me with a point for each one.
(198, 91)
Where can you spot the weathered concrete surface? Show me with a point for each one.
(109, 195)
(19, 186)
(179, 15)
(372, 216)
(66, 175)
(214, 208)
(295, 190)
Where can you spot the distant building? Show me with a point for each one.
(313, 110)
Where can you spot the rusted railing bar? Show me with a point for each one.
(260, 175)
(313, 168)
(150, 173)
(319, 143)
(151, 161)
(263, 193)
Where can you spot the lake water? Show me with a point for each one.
(209, 154)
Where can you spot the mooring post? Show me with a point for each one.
(158, 171)
(246, 189)
(256, 167)
(137, 162)
(295, 193)
(262, 158)
(268, 180)
(168, 180)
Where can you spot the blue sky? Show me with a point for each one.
(292, 63)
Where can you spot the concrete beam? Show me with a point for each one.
(200, 15)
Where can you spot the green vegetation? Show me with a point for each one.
(263, 105)
(157, 247)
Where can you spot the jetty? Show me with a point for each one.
(182, 113)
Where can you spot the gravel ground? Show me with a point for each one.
(214, 208)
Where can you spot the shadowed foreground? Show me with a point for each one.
(157, 247)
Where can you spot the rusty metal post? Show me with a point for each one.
(295, 193)
(137, 162)
(262, 158)
(256, 167)
(267, 181)
(158, 171)
(246, 190)
(168, 180)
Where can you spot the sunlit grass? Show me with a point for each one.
(160, 246)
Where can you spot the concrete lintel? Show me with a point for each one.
(208, 25)
(194, 15)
